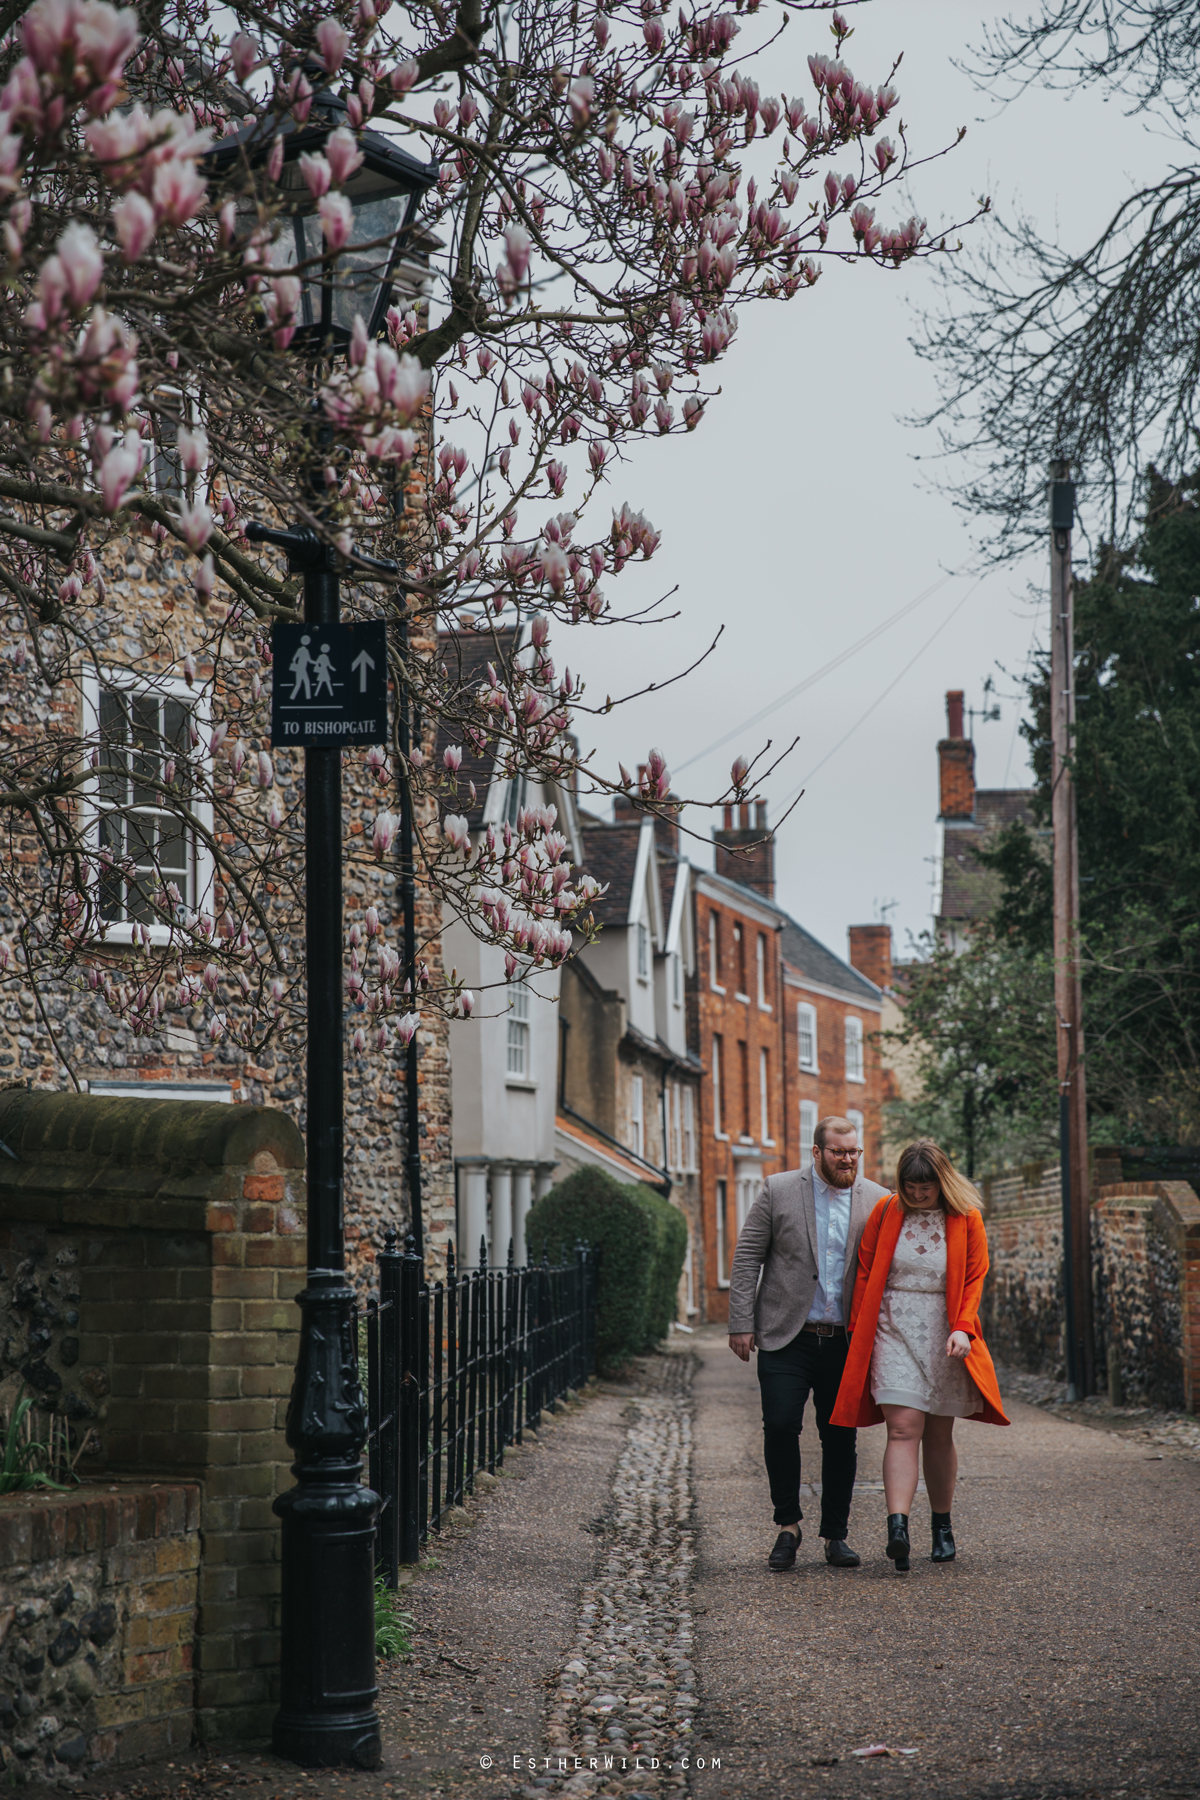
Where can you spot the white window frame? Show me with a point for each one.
(643, 950)
(689, 1271)
(689, 1130)
(676, 979)
(519, 1039)
(716, 1088)
(809, 1116)
(764, 1005)
(806, 1015)
(764, 1096)
(714, 954)
(676, 1134)
(637, 1116)
(722, 1205)
(167, 687)
(860, 1125)
(855, 1059)
(747, 1194)
(739, 958)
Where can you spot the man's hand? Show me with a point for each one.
(742, 1343)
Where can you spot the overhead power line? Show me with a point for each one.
(801, 687)
(895, 682)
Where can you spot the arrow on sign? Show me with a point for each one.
(362, 663)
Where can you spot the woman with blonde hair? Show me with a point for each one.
(917, 1358)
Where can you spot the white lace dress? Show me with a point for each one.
(909, 1364)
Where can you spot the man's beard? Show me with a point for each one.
(836, 1174)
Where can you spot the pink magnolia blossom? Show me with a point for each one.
(403, 77)
(179, 190)
(275, 159)
(466, 1004)
(358, 1043)
(265, 774)
(739, 771)
(244, 57)
(196, 523)
(205, 580)
(301, 95)
(371, 922)
(458, 832)
(406, 1026)
(337, 219)
(580, 95)
(452, 758)
(136, 223)
(118, 471)
(342, 155)
(333, 41)
(317, 173)
(384, 834)
(192, 447)
(72, 274)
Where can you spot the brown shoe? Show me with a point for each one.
(783, 1556)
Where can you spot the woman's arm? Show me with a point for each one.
(867, 1246)
(977, 1268)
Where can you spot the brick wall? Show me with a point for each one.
(1146, 1282)
(154, 1249)
(98, 1595)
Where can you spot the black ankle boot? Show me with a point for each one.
(943, 1539)
(898, 1545)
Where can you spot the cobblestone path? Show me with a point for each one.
(620, 1719)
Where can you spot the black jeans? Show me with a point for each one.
(810, 1364)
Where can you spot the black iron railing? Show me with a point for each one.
(458, 1371)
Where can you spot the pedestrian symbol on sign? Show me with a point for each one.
(315, 698)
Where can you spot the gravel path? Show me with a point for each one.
(1059, 1656)
(610, 1605)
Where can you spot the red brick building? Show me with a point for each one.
(786, 1033)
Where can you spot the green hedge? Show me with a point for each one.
(642, 1241)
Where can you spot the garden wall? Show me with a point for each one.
(97, 1625)
(150, 1254)
(1146, 1283)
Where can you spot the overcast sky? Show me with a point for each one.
(799, 517)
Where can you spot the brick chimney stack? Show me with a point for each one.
(871, 953)
(956, 764)
(746, 848)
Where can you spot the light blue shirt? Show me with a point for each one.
(833, 1229)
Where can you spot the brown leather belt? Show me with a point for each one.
(823, 1328)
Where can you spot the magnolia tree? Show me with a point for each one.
(612, 189)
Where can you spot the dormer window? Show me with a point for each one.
(643, 951)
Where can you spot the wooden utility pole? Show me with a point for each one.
(1068, 993)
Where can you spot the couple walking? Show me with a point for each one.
(868, 1301)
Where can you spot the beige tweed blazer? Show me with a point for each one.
(779, 1241)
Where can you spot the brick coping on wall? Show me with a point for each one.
(38, 1525)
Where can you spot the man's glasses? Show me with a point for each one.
(842, 1155)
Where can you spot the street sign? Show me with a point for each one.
(328, 685)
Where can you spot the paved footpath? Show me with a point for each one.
(608, 1624)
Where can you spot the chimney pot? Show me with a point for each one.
(956, 764)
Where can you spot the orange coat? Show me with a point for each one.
(966, 1266)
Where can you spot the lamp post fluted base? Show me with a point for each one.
(327, 1716)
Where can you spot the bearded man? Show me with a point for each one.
(802, 1234)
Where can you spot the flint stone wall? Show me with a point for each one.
(151, 1252)
(97, 1623)
(1146, 1283)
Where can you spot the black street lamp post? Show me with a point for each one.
(327, 1715)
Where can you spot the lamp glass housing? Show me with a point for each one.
(360, 279)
